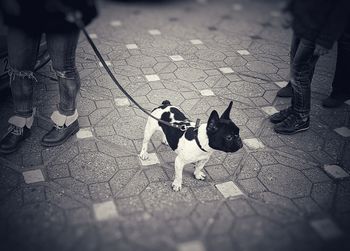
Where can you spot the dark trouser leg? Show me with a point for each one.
(303, 67)
(341, 85)
(287, 91)
(62, 48)
(22, 51)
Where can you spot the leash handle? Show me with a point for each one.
(75, 17)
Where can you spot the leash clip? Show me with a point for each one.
(183, 128)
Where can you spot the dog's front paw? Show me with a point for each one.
(144, 155)
(200, 175)
(176, 185)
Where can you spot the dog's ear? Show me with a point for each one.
(212, 125)
(226, 114)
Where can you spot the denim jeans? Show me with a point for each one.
(341, 85)
(303, 62)
(22, 51)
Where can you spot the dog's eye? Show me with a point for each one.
(229, 138)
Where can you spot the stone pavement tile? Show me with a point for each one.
(265, 158)
(316, 175)
(104, 131)
(347, 102)
(226, 70)
(176, 58)
(152, 78)
(130, 205)
(100, 192)
(152, 160)
(240, 207)
(33, 176)
(217, 172)
(155, 174)
(229, 189)
(191, 246)
(281, 84)
(87, 146)
(58, 171)
(33, 194)
(326, 229)
(243, 52)
(336, 171)
(115, 23)
(207, 92)
(343, 131)
(122, 102)
(285, 181)
(269, 110)
(78, 216)
(253, 143)
(307, 205)
(206, 193)
(108, 63)
(196, 41)
(105, 211)
(103, 103)
(154, 32)
(252, 185)
(132, 46)
(323, 193)
(128, 162)
(84, 133)
(84, 122)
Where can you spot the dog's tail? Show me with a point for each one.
(166, 103)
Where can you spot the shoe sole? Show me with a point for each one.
(61, 142)
(295, 132)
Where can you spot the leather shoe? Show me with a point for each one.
(58, 135)
(11, 141)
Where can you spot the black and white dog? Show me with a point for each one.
(195, 145)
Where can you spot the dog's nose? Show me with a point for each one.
(240, 143)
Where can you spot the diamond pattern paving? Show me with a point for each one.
(94, 193)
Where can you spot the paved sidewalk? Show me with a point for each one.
(93, 193)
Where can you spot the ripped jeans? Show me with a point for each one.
(22, 52)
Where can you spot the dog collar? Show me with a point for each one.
(197, 141)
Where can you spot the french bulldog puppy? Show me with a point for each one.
(195, 145)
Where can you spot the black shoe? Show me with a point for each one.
(281, 115)
(58, 135)
(286, 92)
(11, 141)
(334, 102)
(293, 124)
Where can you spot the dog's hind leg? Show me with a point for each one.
(198, 173)
(151, 127)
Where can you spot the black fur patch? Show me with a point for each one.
(178, 115)
(190, 134)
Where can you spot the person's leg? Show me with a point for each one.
(340, 86)
(287, 91)
(303, 67)
(62, 48)
(22, 53)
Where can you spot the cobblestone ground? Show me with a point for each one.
(93, 193)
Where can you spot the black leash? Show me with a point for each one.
(76, 18)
